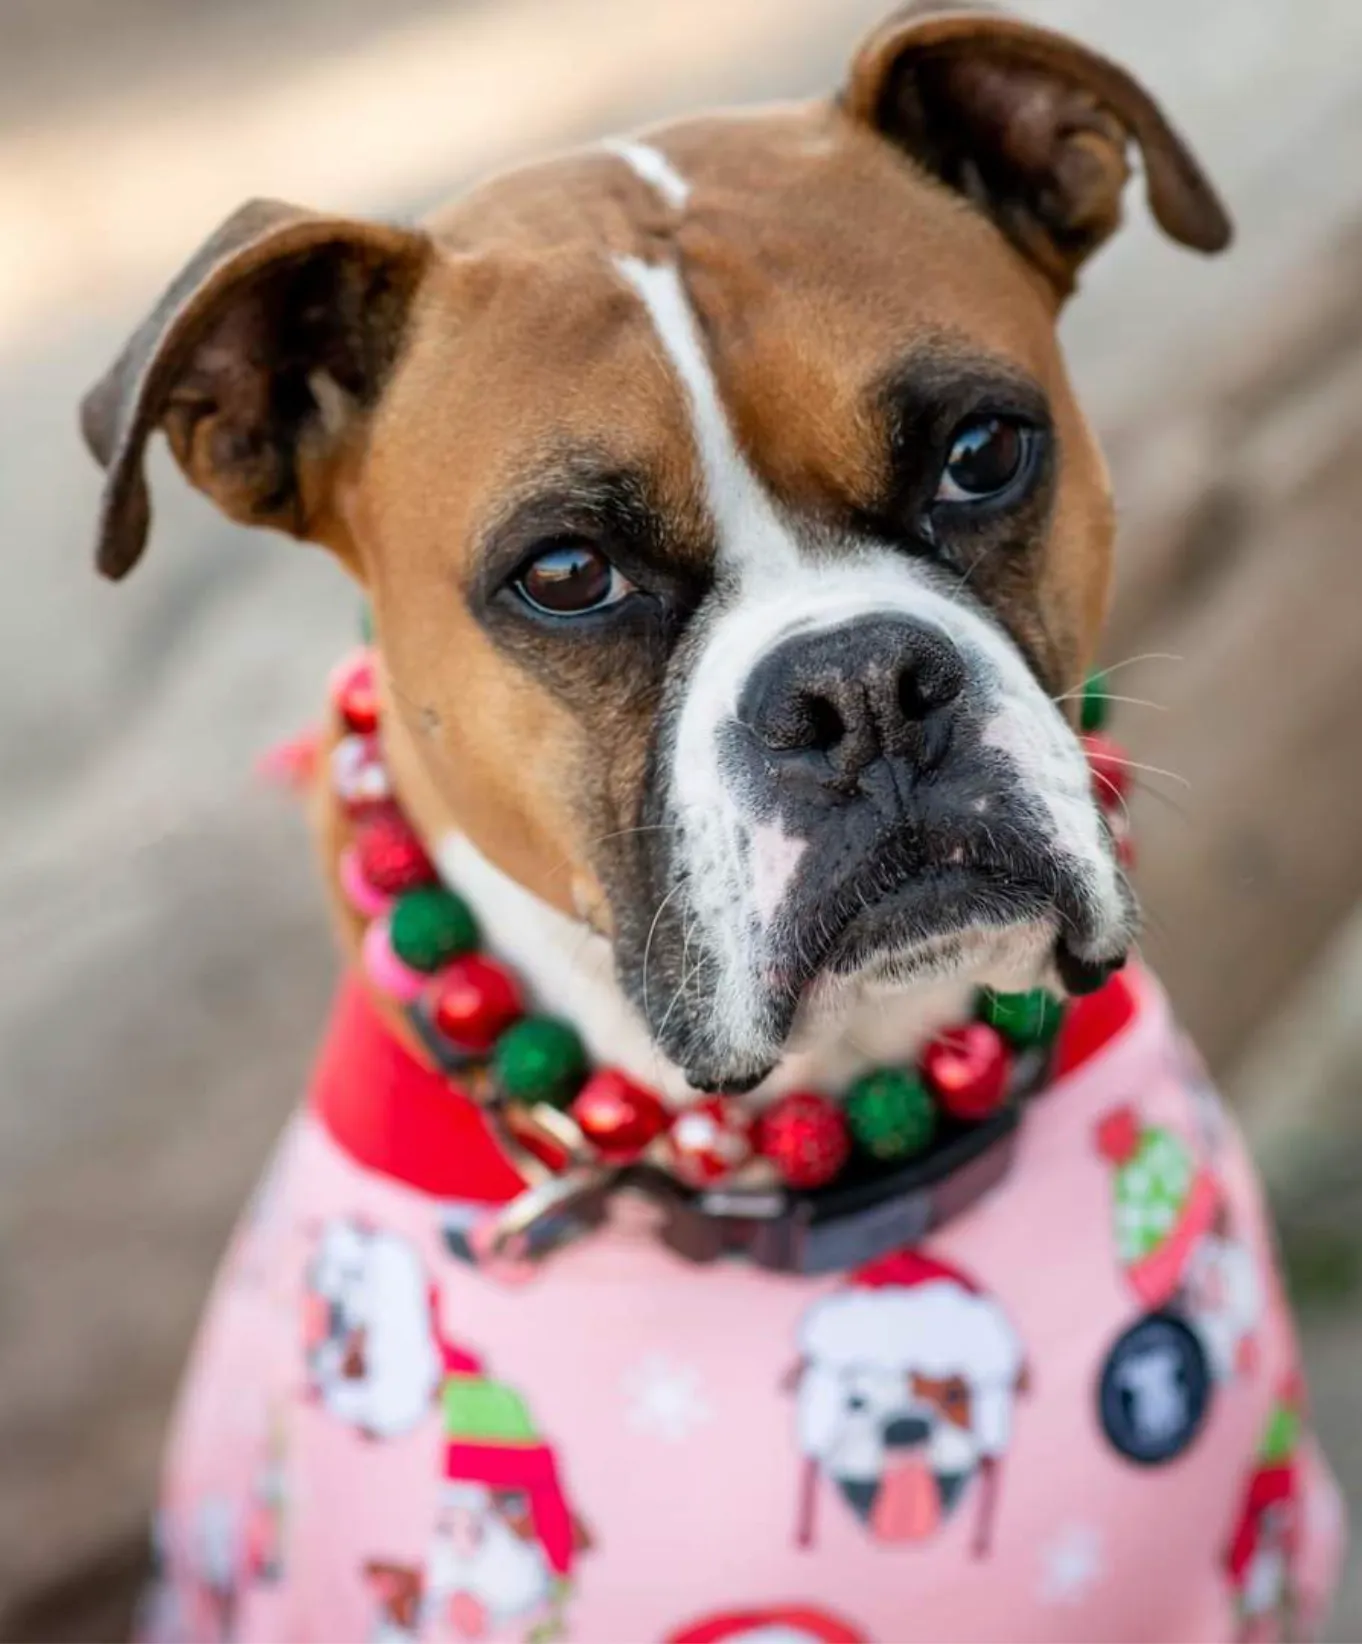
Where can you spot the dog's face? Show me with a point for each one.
(732, 532)
(901, 1448)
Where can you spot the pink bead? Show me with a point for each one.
(357, 772)
(385, 970)
(359, 893)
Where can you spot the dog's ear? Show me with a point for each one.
(258, 362)
(1031, 127)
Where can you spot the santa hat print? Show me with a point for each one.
(1164, 1202)
(1274, 1481)
(774, 1624)
(490, 1439)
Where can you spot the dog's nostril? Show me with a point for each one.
(932, 678)
(912, 704)
(826, 727)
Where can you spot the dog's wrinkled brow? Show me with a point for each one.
(616, 505)
(947, 380)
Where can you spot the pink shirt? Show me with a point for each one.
(1076, 1413)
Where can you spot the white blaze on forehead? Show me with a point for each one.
(653, 166)
(751, 535)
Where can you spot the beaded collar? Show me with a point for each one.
(803, 1183)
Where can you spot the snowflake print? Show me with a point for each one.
(1071, 1564)
(665, 1399)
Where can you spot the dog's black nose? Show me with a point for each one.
(830, 703)
(905, 1431)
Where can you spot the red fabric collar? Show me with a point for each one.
(394, 1115)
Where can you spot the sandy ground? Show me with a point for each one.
(163, 956)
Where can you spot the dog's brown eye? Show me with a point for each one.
(987, 456)
(571, 579)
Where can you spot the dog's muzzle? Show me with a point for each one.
(862, 749)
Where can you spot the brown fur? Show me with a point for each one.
(937, 211)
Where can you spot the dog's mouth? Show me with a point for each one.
(922, 908)
(923, 904)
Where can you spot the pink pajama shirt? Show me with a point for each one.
(1076, 1412)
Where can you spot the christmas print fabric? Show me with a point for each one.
(1087, 1380)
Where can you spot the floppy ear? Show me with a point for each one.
(258, 362)
(1031, 127)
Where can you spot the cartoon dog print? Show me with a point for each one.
(374, 1353)
(906, 1385)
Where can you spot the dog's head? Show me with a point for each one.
(901, 1448)
(731, 529)
(903, 1390)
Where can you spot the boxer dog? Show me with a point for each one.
(735, 544)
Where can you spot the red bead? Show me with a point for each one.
(354, 693)
(391, 857)
(1110, 768)
(618, 1117)
(473, 1002)
(967, 1070)
(805, 1137)
(709, 1141)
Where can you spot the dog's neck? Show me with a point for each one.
(568, 969)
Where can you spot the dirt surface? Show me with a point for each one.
(164, 961)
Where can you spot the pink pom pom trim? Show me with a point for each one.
(359, 893)
(385, 970)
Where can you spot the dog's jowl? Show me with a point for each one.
(744, 1192)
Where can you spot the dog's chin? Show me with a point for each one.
(939, 925)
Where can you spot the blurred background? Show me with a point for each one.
(164, 957)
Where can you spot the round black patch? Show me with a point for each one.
(1155, 1389)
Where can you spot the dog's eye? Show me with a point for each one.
(571, 579)
(988, 455)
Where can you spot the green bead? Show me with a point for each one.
(430, 926)
(540, 1059)
(1025, 1018)
(891, 1114)
(1096, 703)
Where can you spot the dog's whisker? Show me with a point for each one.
(1152, 770)
(652, 931)
(1132, 661)
(1165, 799)
(605, 838)
(1131, 701)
